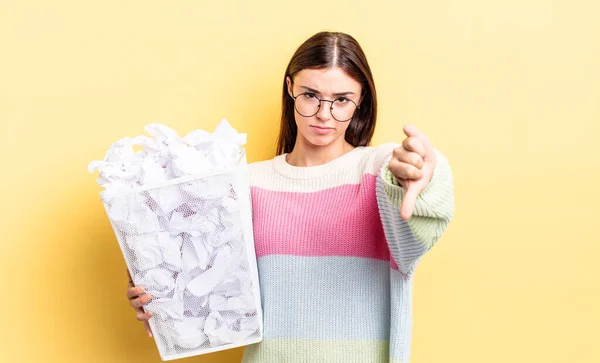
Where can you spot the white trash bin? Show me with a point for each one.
(189, 241)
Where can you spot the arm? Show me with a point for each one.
(408, 240)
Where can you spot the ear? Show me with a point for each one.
(288, 81)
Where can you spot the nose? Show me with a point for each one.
(324, 112)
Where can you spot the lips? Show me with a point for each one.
(322, 130)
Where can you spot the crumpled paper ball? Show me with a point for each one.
(167, 156)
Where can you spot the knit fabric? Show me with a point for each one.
(336, 261)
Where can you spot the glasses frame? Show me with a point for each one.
(321, 100)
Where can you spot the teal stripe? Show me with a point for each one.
(401, 317)
(325, 297)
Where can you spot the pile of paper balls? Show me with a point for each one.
(184, 241)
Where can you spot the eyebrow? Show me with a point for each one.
(317, 92)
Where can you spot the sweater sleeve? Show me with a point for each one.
(410, 240)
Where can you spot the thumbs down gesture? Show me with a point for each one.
(412, 165)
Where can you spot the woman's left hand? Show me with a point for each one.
(412, 165)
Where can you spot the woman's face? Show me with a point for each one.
(323, 129)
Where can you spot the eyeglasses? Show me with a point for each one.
(308, 104)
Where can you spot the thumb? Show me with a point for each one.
(409, 201)
(411, 131)
(148, 330)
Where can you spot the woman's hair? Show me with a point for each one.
(326, 50)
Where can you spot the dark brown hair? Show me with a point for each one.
(326, 50)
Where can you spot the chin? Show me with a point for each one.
(321, 141)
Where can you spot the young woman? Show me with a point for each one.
(339, 226)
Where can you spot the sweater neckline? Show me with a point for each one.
(312, 172)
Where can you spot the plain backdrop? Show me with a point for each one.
(508, 91)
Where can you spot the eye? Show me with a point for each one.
(309, 96)
(342, 100)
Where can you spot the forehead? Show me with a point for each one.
(327, 80)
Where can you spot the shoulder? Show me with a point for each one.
(257, 166)
(260, 170)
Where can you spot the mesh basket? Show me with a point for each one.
(189, 242)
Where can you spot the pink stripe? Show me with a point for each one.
(344, 221)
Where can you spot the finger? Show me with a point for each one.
(408, 157)
(140, 301)
(415, 144)
(403, 170)
(412, 131)
(409, 201)
(148, 330)
(143, 315)
(134, 292)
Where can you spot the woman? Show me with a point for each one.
(339, 226)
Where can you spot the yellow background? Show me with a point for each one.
(509, 91)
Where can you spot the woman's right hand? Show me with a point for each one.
(138, 299)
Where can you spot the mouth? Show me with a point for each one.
(320, 130)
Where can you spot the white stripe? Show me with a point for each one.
(369, 160)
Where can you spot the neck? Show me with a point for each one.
(305, 154)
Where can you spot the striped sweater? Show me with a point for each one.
(336, 261)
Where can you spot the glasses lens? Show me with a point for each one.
(307, 104)
(343, 109)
